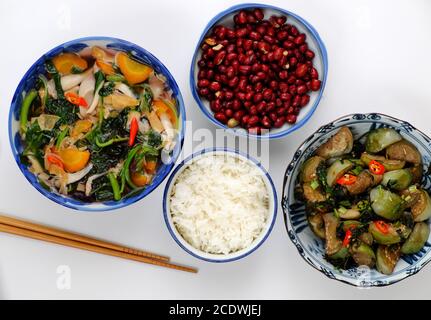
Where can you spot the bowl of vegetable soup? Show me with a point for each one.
(96, 123)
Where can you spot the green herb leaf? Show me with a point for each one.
(146, 99)
(107, 89)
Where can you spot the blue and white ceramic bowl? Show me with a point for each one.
(309, 246)
(272, 211)
(28, 82)
(320, 61)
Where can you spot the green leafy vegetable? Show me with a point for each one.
(109, 142)
(102, 189)
(125, 171)
(116, 78)
(145, 99)
(76, 70)
(35, 140)
(44, 82)
(67, 111)
(25, 107)
(152, 138)
(107, 157)
(107, 89)
(61, 137)
(114, 184)
(100, 78)
(50, 68)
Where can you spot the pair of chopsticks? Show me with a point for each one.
(58, 236)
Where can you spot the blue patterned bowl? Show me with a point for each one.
(28, 82)
(309, 246)
(218, 258)
(314, 42)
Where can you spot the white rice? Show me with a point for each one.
(219, 203)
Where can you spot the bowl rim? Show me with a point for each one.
(253, 247)
(106, 206)
(389, 279)
(320, 45)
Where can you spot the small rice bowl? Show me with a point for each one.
(219, 203)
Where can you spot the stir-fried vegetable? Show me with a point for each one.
(389, 164)
(379, 139)
(133, 131)
(76, 99)
(67, 63)
(376, 167)
(25, 108)
(416, 241)
(337, 170)
(386, 203)
(387, 258)
(366, 206)
(397, 179)
(91, 127)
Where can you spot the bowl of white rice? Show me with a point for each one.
(219, 205)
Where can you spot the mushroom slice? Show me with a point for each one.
(125, 89)
(157, 86)
(404, 151)
(312, 195)
(333, 244)
(86, 90)
(317, 225)
(72, 80)
(339, 144)
(363, 181)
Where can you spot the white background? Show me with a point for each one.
(378, 62)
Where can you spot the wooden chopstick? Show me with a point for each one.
(77, 237)
(85, 246)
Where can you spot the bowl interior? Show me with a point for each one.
(28, 82)
(314, 42)
(272, 211)
(309, 246)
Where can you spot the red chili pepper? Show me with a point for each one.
(133, 131)
(347, 179)
(76, 100)
(376, 167)
(347, 237)
(55, 160)
(382, 226)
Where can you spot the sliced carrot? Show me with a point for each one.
(161, 107)
(150, 166)
(106, 68)
(140, 179)
(81, 126)
(134, 71)
(74, 159)
(65, 62)
(99, 53)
